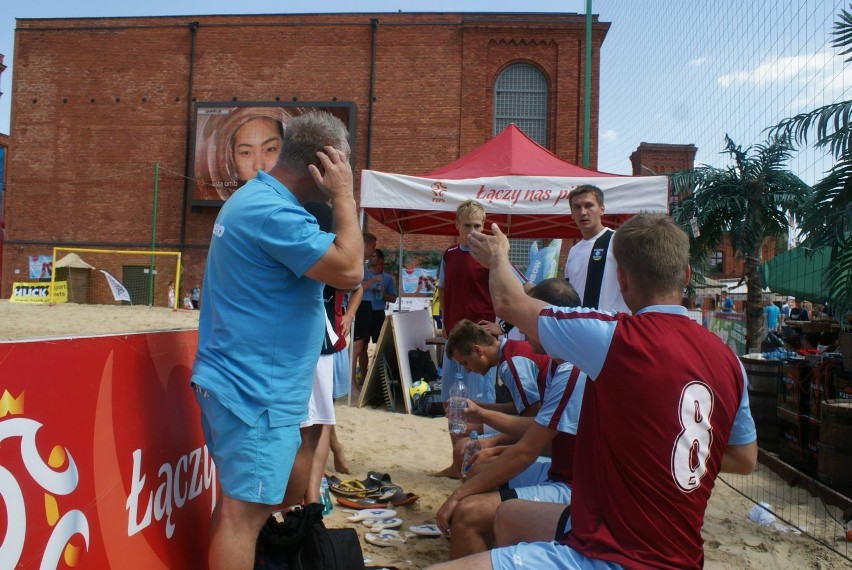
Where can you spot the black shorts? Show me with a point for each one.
(362, 320)
(376, 322)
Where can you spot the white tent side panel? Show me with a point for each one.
(515, 195)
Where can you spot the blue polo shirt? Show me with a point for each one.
(388, 287)
(262, 321)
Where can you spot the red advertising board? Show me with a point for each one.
(102, 460)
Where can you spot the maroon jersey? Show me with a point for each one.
(465, 289)
(655, 423)
(562, 446)
(525, 390)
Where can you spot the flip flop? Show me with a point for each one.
(375, 525)
(364, 488)
(379, 478)
(361, 503)
(394, 495)
(426, 530)
(400, 498)
(386, 492)
(372, 514)
(354, 488)
(385, 538)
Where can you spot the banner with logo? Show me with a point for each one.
(731, 328)
(102, 461)
(119, 291)
(543, 262)
(39, 293)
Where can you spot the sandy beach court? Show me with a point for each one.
(410, 448)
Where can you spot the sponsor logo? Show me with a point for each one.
(438, 191)
(57, 476)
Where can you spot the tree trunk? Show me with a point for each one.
(754, 303)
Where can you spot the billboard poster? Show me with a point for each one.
(234, 140)
(41, 266)
(419, 280)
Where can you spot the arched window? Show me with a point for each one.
(520, 97)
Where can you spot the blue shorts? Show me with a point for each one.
(545, 555)
(253, 462)
(535, 474)
(546, 492)
(342, 373)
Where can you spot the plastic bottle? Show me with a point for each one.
(456, 405)
(325, 497)
(470, 449)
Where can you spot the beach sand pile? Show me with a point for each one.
(411, 448)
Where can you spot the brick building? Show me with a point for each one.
(96, 102)
(659, 158)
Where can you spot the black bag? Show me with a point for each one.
(429, 403)
(772, 341)
(302, 542)
(422, 367)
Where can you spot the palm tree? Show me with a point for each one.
(827, 218)
(748, 202)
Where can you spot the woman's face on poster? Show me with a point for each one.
(256, 145)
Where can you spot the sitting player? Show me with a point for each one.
(522, 372)
(469, 512)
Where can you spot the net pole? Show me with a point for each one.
(177, 281)
(50, 299)
(154, 238)
(587, 86)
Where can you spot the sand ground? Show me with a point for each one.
(410, 448)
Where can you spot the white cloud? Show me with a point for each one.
(802, 69)
(800, 83)
(609, 135)
(697, 61)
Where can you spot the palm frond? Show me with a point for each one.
(843, 34)
(829, 125)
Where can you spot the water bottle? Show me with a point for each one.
(469, 450)
(325, 497)
(457, 404)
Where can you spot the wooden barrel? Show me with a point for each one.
(835, 445)
(763, 377)
(836, 429)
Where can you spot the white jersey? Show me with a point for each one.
(576, 268)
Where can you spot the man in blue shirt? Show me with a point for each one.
(772, 313)
(262, 323)
(727, 304)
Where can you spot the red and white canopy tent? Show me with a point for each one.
(523, 186)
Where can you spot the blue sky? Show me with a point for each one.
(673, 71)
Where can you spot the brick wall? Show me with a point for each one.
(96, 102)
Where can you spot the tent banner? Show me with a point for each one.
(39, 293)
(516, 195)
(102, 455)
(731, 328)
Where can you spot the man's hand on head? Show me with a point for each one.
(489, 250)
(334, 174)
